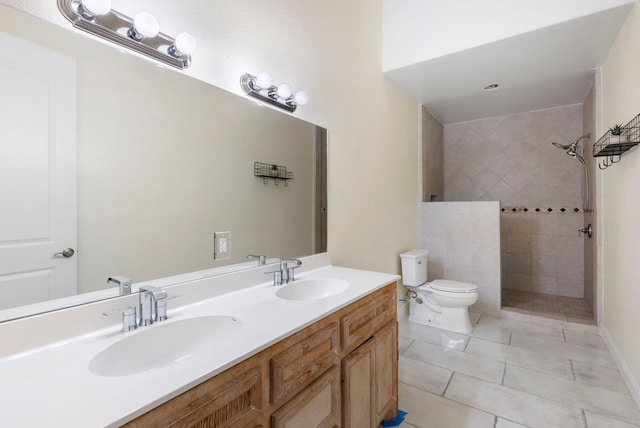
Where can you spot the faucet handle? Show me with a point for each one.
(291, 273)
(277, 276)
(161, 310)
(129, 318)
(161, 307)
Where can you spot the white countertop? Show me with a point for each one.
(51, 385)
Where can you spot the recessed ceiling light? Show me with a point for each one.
(492, 86)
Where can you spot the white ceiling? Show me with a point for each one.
(546, 67)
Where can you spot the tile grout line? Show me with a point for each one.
(444, 391)
(584, 418)
(504, 374)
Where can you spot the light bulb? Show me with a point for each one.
(301, 98)
(96, 7)
(263, 80)
(284, 91)
(185, 44)
(145, 25)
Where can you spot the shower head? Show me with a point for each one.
(572, 145)
(561, 146)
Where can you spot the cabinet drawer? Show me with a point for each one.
(373, 313)
(302, 361)
(317, 406)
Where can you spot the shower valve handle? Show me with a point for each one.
(587, 230)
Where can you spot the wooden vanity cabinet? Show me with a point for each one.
(340, 371)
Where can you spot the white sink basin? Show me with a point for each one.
(312, 289)
(163, 344)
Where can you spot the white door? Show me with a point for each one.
(37, 173)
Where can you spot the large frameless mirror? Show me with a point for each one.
(135, 167)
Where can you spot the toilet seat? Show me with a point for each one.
(453, 286)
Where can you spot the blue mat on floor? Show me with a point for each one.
(395, 421)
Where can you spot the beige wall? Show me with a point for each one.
(621, 198)
(332, 50)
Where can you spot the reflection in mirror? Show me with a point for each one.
(163, 162)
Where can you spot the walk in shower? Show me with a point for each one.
(546, 203)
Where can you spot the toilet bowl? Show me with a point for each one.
(441, 303)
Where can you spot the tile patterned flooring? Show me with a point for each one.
(546, 305)
(511, 374)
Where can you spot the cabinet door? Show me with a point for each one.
(317, 406)
(386, 372)
(358, 394)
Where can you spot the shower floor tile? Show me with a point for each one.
(548, 305)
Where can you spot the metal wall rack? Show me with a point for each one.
(612, 152)
(270, 171)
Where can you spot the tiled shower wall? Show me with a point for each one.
(511, 159)
(542, 252)
(463, 239)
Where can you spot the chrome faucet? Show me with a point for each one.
(262, 260)
(123, 282)
(286, 274)
(153, 305)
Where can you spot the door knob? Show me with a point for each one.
(67, 252)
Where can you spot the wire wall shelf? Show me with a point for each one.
(270, 171)
(611, 147)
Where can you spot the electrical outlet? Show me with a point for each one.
(221, 245)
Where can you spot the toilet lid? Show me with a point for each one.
(455, 286)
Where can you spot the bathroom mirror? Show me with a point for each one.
(164, 162)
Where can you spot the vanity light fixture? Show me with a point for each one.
(261, 87)
(141, 34)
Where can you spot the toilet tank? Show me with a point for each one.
(414, 267)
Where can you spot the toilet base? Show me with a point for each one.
(451, 319)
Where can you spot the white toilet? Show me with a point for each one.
(441, 303)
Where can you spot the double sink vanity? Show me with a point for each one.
(235, 350)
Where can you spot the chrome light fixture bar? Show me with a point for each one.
(140, 34)
(282, 96)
